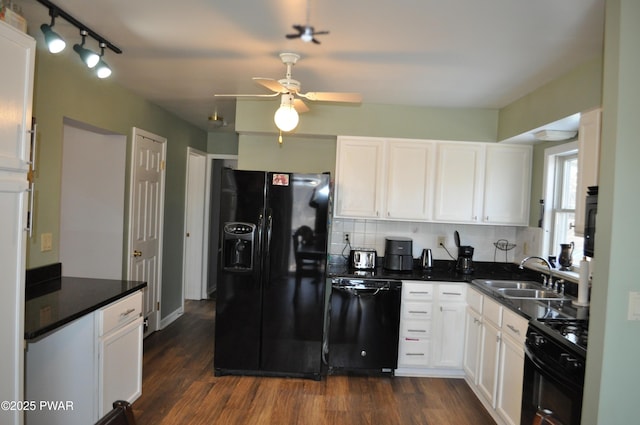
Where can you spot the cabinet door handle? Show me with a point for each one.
(418, 312)
(452, 293)
(416, 330)
(128, 312)
(516, 331)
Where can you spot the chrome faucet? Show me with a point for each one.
(546, 263)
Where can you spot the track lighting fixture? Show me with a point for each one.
(56, 44)
(89, 57)
(102, 69)
(286, 117)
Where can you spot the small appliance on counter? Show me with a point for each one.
(464, 264)
(363, 259)
(398, 253)
(426, 260)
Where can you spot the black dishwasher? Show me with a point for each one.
(364, 320)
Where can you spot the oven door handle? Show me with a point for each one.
(359, 290)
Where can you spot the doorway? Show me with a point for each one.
(92, 201)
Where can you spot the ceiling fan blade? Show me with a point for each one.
(300, 106)
(292, 35)
(320, 32)
(333, 97)
(271, 84)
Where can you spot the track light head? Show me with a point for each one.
(55, 43)
(89, 57)
(102, 69)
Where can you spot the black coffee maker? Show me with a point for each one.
(464, 264)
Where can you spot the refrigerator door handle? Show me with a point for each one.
(258, 248)
(267, 248)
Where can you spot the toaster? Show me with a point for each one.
(363, 258)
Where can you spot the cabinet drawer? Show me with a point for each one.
(416, 328)
(417, 291)
(514, 325)
(413, 352)
(119, 313)
(492, 311)
(416, 311)
(474, 300)
(451, 292)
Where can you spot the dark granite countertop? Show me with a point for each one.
(53, 300)
(444, 271)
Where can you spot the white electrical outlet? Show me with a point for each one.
(442, 240)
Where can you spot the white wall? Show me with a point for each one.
(372, 233)
(92, 203)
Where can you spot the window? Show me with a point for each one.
(562, 180)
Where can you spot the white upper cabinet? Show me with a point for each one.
(459, 178)
(410, 171)
(507, 184)
(359, 177)
(588, 161)
(384, 178)
(18, 50)
(427, 180)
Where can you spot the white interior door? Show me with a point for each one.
(194, 243)
(146, 218)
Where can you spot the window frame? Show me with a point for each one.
(552, 156)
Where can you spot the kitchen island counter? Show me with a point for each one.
(53, 301)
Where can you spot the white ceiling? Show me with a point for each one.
(440, 53)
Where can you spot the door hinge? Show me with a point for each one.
(158, 306)
(162, 165)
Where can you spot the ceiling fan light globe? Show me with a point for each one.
(286, 118)
(306, 37)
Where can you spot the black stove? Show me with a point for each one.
(555, 358)
(561, 344)
(575, 331)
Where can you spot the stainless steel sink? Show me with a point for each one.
(529, 293)
(512, 284)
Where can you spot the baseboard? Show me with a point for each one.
(429, 372)
(171, 318)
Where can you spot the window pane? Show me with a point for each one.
(569, 184)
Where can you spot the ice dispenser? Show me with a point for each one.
(237, 246)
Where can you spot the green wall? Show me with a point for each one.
(222, 142)
(611, 393)
(64, 88)
(577, 91)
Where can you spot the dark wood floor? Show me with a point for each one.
(179, 388)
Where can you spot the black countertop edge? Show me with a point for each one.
(55, 303)
(444, 271)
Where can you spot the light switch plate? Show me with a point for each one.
(46, 242)
(634, 306)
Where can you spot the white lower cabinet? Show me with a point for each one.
(494, 356)
(511, 369)
(431, 329)
(119, 327)
(83, 367)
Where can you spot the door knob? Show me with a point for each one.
(137, 253)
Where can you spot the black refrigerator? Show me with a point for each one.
(270, 298)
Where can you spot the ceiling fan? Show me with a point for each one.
(306, 32)
(289, 89)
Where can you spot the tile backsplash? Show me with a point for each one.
(372, 234)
